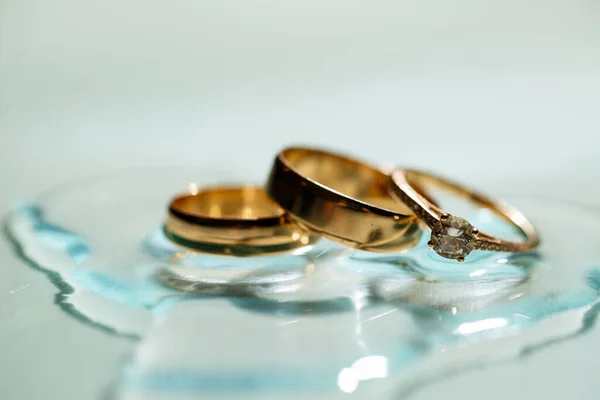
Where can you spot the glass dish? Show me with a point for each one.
(322, 322)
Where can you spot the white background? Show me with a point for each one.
(502, 94)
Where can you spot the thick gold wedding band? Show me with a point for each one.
(341, 199)
(235, 221)
(454, 237)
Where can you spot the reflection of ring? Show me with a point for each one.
(237, 221)
(454, 237)
(342, 199)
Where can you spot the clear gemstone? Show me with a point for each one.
(452, 237)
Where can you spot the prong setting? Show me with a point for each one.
(453, 237)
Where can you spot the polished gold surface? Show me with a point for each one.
(237, 221)
(342, 199)
(410, 187)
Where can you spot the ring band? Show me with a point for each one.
(341, 199)
(454, 237)
(236, 221)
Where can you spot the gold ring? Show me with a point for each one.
(341, 199)
(454, 237)
(236, 221)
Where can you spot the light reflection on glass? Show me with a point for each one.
(347, 380)
(363, 369)
(360, 300)
(485, 324)
(478, 272)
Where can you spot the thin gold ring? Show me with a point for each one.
(236, 221)
(454, 237)
(342, 199)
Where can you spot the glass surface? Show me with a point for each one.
(322, 322)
